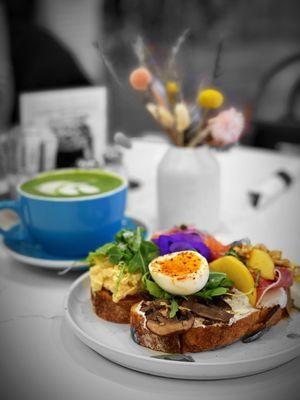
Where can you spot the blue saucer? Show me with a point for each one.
(26, 250)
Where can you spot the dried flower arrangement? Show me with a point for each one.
(187, 124)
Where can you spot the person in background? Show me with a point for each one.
(6, 78)
(47, 44)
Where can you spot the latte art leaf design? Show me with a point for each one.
(72, 183)
(58, 188)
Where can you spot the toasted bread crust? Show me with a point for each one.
(214, 336)
(201, 338)
(144, 337)
(105, 308)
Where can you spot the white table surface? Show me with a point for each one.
(42, 359)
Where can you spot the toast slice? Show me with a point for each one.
(105, 308)
(204, 334)
(214, 336)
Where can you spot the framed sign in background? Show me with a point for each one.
(77, 117)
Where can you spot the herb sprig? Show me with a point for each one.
(129, 248)
(217, 285)
(129, 251)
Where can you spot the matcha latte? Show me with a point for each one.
(72, 183)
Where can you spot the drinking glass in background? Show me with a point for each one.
(75, 139)
(24, 152)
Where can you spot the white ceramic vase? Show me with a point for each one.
(188, 187)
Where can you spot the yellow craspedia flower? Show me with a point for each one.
(172, 88)
(172, 91)
(210, 98)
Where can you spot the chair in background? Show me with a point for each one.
(285, 131)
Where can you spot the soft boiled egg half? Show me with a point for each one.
(181, 273)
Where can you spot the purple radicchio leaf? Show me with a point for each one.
(180, 246)
(203, 250)
(163, 242)
(182, 241)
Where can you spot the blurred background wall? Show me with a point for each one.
(258, 35)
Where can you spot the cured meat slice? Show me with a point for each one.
(284, 279)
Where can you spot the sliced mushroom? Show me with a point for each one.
(153, 305)
(220, 303)
(162, 326)
(154, 309)
(208, 311)
(158, 315)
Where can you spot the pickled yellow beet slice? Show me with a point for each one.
(238, 273)
(261, 260)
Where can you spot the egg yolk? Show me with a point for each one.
(180, 265)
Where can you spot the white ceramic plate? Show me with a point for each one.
(113, 341)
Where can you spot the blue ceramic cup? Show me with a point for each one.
(69, 227)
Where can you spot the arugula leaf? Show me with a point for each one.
(226, 282)
(209, 293)
(129, 247)
(132, 239)
(174, 308)
(214, 275)
(217, 285)
(215, 279)
(159, 293)
(105, 248)
(136, 263)
(154, 289)
(123, 235)
(127, 254)
(149, 251)
(114, 255)
(136, 240)
(99, 253)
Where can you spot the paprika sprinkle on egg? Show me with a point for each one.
(182, 264)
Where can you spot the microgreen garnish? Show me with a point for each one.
(129, 247)
(129, 251)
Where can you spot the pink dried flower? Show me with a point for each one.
(227, 126)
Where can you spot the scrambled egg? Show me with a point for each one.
(105, 275)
